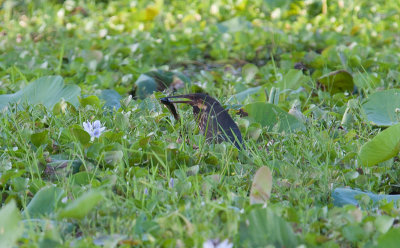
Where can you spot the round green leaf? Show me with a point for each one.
(383, 108)
(90, 100)
(273, 117)
(47, 90)
(39, 139)
(81, 135)
(337, 81)
(382, 147)
(145, 85)
(112, 99)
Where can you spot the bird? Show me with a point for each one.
(213, 120)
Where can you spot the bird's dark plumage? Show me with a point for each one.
(214, 121)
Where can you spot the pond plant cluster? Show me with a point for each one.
(94, 153)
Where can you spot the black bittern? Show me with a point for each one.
(213, 120)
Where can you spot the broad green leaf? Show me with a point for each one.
(10, 174)
(262, 185)
(44, 202)
(273, 117)
(366, 80)
(390, 239)
(39, 139)
(383, 146)
(234, 25)
(249, 71)
(112, 99)
(81, 206)
(90, 100)
(353, 233)
(145, 85)
(383, 223)
(47, 90)
(337, 81)
(383, 108)
(10, 227)
(291, 80)
(262, 227)
(82, 178)
(81, 135)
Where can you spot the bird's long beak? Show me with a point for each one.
(167, 99)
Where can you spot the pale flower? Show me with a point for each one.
(94, 130)
(215, 243)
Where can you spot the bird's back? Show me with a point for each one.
(217, 124)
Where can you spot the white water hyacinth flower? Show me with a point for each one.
(215, 243)
(94, 130)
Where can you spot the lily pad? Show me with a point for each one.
(337, 81)
(273, 117)
(347, 196)
(47, 90)
(158, 80)
(112, 99)
(145, 85)
(382, 147)
(383, 108)
(261, 187)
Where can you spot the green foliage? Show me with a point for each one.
(308, 82)
(382, 108)
(10, 226)
(44, 202)
(382, 147)
(337, 81)
(273, 118)
(261, 187)
(46, 90)
(81, 206)
(262, 227)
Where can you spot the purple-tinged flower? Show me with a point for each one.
(171, 183)
(215, 243)
(94, 130)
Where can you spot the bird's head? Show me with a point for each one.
(199, 101)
